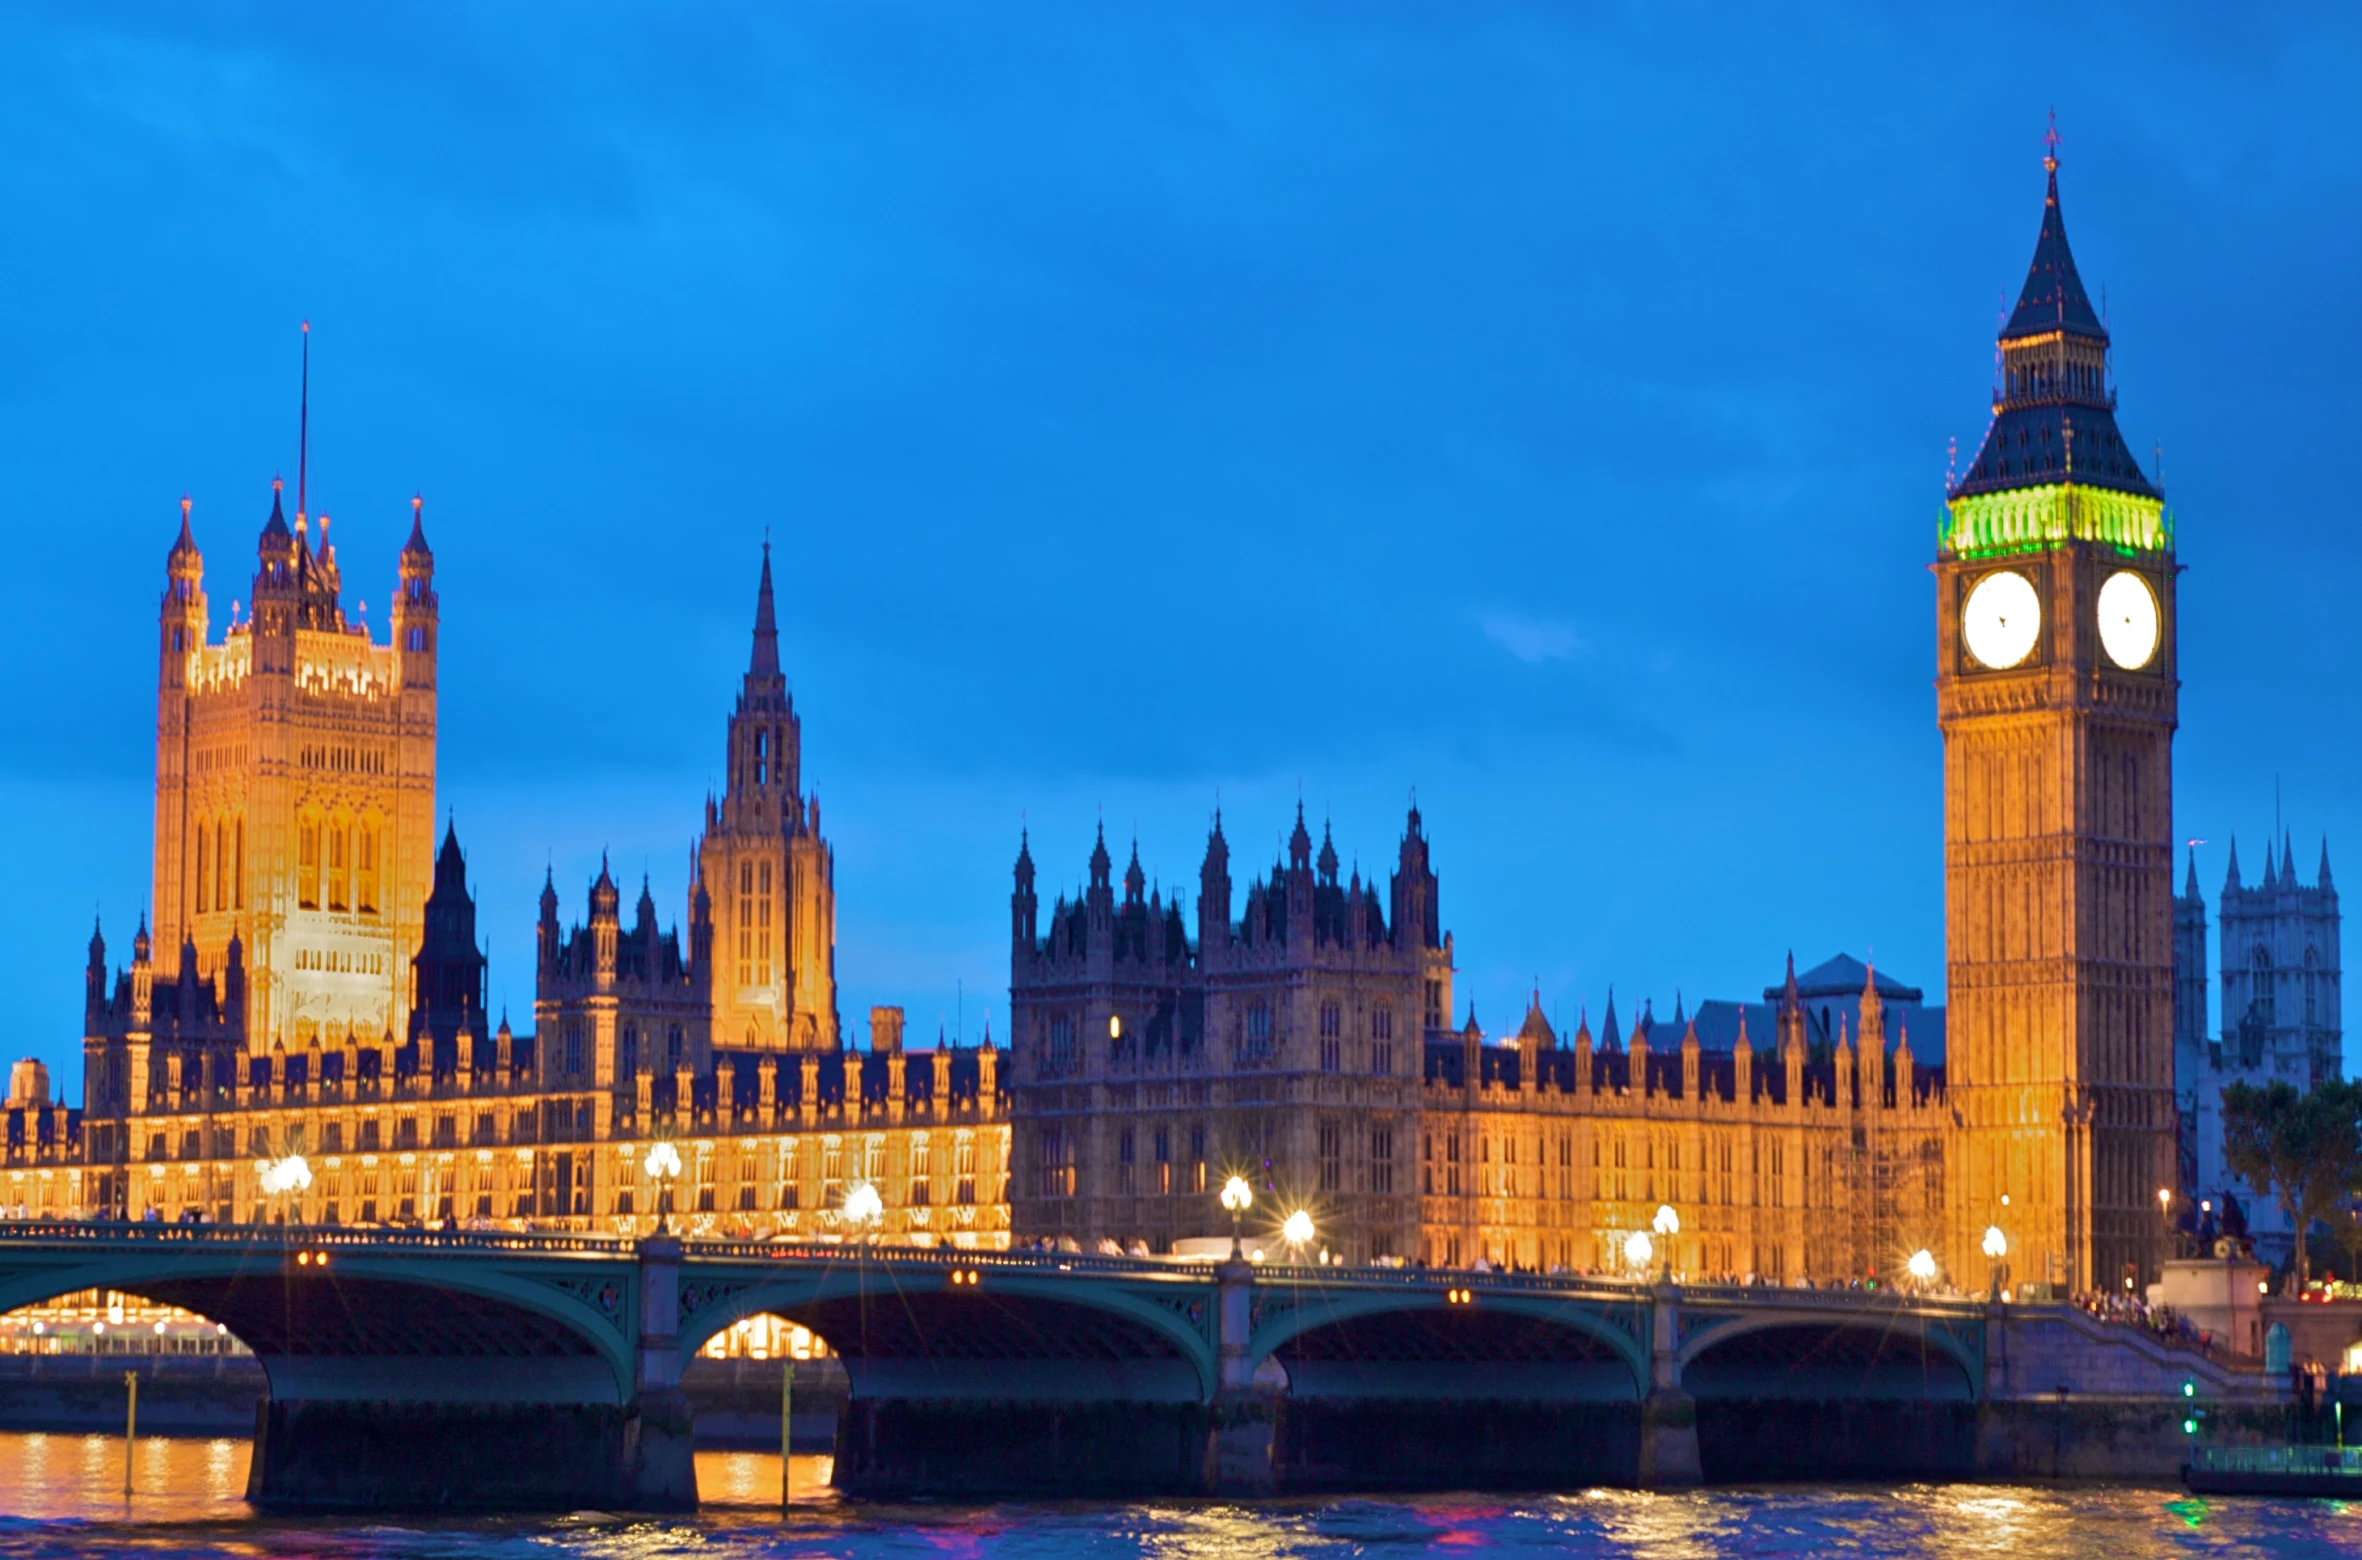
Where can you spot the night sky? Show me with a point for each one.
(1543, 407)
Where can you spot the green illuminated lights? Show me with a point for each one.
(2023, 519)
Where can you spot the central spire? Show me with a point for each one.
(765, 662)
(2053, 447)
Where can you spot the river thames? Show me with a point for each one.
(64, 1497)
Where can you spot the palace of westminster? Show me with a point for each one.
(309, 981)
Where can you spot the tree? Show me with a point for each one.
(2303, 1149)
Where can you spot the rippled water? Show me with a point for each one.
(62, 1495)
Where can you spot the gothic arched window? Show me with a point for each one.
(2259, 995)
(307, 863)
(204, 877)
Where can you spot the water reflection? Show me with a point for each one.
(62, 1495)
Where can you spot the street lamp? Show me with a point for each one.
(2165, 1209)
(1922, 1266)
(864, 1209)
(1996, 1247)
(1238, 1197)
(1296, 1230)
(1667, 1224)
(278, 1176)
(1638, 1249)
(662, 1164)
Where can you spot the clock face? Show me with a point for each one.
(2002, 619)
(2128, 620)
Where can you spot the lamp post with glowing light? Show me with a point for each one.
(1296, 1230)
(1638, 1249)
(1237, 1197)
(2165, 1211)
(864, 1210)
(1922, 1267)
(284, 1177)
(1996, 1247)
(662, 1164)
(1667, 1224)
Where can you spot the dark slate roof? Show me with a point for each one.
(2053, 297)
(2027, 447)
(1842, 976)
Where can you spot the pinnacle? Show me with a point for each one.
(765, 660)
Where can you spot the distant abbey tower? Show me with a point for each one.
(295, 786)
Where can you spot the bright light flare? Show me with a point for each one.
(663, 1161)
(863, 1205)
(1667, 1222)
(1922, 1265)
(1296, 1229)
(1237, 1195)
(1996, 1243)
(285, 1175)
(1638, 1249)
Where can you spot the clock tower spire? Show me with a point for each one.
(2056, 694)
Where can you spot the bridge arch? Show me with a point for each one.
(1420, 1342)
(359, 1326)
(912, 1332)
(1894, 1355)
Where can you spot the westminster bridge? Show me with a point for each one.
(411, 1368)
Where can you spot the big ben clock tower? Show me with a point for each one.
(2056, 692)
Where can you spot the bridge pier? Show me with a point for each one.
(1669, 1415)
(488, 1430)
(1242, 1421)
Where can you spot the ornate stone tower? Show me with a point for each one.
(2056, 693)
(764, 901)
(295, 785)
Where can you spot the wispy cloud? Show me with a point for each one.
(1534, 639)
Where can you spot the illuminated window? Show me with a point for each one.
(238, 867)
(339, 846)
(921, 1166)
(365, 876)
(754, 923)
(873, 1161)
(963, 1168)
(307, 864)
(204, 861)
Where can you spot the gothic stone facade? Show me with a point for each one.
(1285, 1046)
(327, 998)
(1311, 1054)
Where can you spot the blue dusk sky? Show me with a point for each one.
(1545, 407)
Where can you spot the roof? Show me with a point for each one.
(2053, 297)
(1844, 976)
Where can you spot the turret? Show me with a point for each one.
(605, 924)
(1417, 920)
(94, 983)
(182, 614)
(545, 932)
(1024, 906)
(417, 615)
(1213, 899)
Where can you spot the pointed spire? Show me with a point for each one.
(2190, 881)
(2054, 410)
(2288, 860)
(765, 661)
(184, 546)
(2231, 877)
(2053, 297)
(1609, 1039)
(416, 547)
(275, 528)
(2271, 865)
(2321, 880)
(1300, 842)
